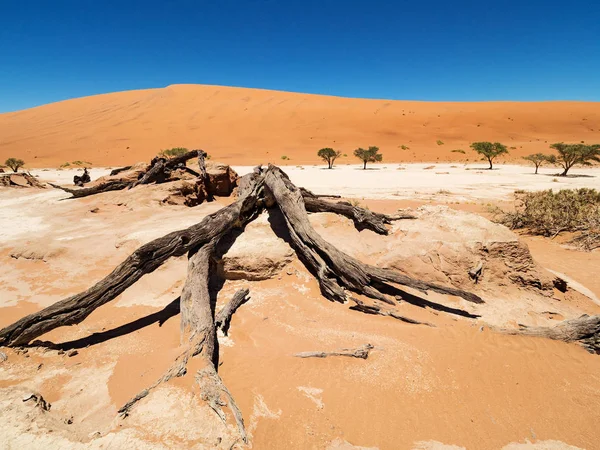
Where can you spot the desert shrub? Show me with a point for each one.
(550, 213)
(369, 155)
(329, 155)
(14, 163)
(404, 147)
(65, 165)
(285, 158)
(81, 163)
(173, 152)
(458, 150)
(439, 142)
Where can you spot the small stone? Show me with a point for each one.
(289, 271)
(3, 357)
(61, 352)
(72, 353)
(95, 210)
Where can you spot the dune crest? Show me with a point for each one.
(250, 126)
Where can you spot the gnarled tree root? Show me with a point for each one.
(339, 275)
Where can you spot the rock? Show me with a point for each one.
(72, 353)
(257, 254)
(223, 179)
(3, 357)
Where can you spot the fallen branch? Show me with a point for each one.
(223, 318)
(377, 310)
(360, 352)
(584, 330)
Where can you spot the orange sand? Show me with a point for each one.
(250, 126)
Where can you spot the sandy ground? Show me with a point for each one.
(458, 385)
(443, 182)
(247, 126)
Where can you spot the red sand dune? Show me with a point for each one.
(250, 126)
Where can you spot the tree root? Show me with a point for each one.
(223, 318)
(339, 275)
(361, 352)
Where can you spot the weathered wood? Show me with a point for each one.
(336, 271)
(584, 330)
(223, 317)
(377, 310)
(144, 260)
(118, 170)
(113, 185)
(363, 218)
(157, 173)
(361, 352)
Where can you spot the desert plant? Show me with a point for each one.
(14, 163)
(572, 154)
(369, 155)
(458, 150)
(404, 147)
(285, 158)
(489, 150)
(439, 142)
(549, 213)
(537, 159)
(173, 152)
(329, 155)
(81, 163)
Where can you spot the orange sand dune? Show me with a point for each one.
(249, 126)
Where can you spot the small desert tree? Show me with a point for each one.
(572, 154)
(329, 155)
(173, 152)
(537, 159)
(14, 163)
(489, 150)
(369, 155)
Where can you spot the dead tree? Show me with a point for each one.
(341, 278)
(158, 171)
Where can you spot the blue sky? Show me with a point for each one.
(417, 50)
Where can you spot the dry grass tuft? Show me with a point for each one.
(549, 213)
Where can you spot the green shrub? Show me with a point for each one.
(458, 150)
(439, 142)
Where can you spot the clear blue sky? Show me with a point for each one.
(52, 50)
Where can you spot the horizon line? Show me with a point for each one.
(298, 93)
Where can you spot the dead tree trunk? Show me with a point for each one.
(335, 270)
(158, 171)
(339, 276)
(584, 330)
(144, 260)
